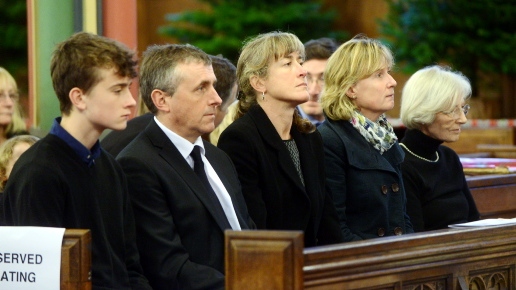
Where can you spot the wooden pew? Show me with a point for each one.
(498, 150)
(494, 195)
(76, 260)
(473, 258)
(471, 137)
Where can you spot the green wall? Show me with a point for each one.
(54, 22)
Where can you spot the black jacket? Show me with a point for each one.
(274, 193)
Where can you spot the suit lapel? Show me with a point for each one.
(168, 151)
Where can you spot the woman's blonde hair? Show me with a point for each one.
(142, 107)
(256, 56)
(6, 153)
(17, 122)
(353, 61)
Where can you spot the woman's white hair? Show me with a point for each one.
(429, 91)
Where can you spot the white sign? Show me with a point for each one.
(30, 258)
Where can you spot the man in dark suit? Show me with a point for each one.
(185, 192)
(226, 87)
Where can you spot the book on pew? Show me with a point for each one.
(485, 223)
(477, 166)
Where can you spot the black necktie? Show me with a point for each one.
(199, 170)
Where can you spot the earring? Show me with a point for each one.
(353, 97)
(263, 96)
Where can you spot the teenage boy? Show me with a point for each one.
(66, 179)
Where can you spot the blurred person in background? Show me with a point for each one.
(10, 151)
(227, 88)
(11, 121)
(317, 53)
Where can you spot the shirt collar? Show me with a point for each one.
(84, 153)
(308, 117)
(184, 146)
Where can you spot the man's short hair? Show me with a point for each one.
(75, 63)
(225, 72)
(321, 48)
(158, 68)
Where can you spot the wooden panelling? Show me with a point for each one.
(472, 258)
(276, 265)
(76, 260)
(494, 195)
(471, 137)
(498, 150)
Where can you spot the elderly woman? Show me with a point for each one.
(362, 155)
(278, 155)
(433, 108)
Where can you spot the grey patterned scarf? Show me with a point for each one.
(380, 133)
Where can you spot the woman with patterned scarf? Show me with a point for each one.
(362, 153)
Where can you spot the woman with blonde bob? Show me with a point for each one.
(433, 108)
(362, 155)
(279, 155)
(11, 121)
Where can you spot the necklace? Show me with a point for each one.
(427, 160)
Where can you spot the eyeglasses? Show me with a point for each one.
(455, 113)
(12, 96)
(319, 80)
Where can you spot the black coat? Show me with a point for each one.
(275, 197)
(367, 187)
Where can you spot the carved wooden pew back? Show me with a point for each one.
(76, 260)
(473, 258)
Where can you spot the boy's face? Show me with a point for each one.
(109, 102)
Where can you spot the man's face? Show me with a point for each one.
(109, 102)
(315, 80)
(193, 105)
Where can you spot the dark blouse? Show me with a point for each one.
(437, 192)
(294, 154)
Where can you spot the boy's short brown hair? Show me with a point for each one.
(75, 63)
